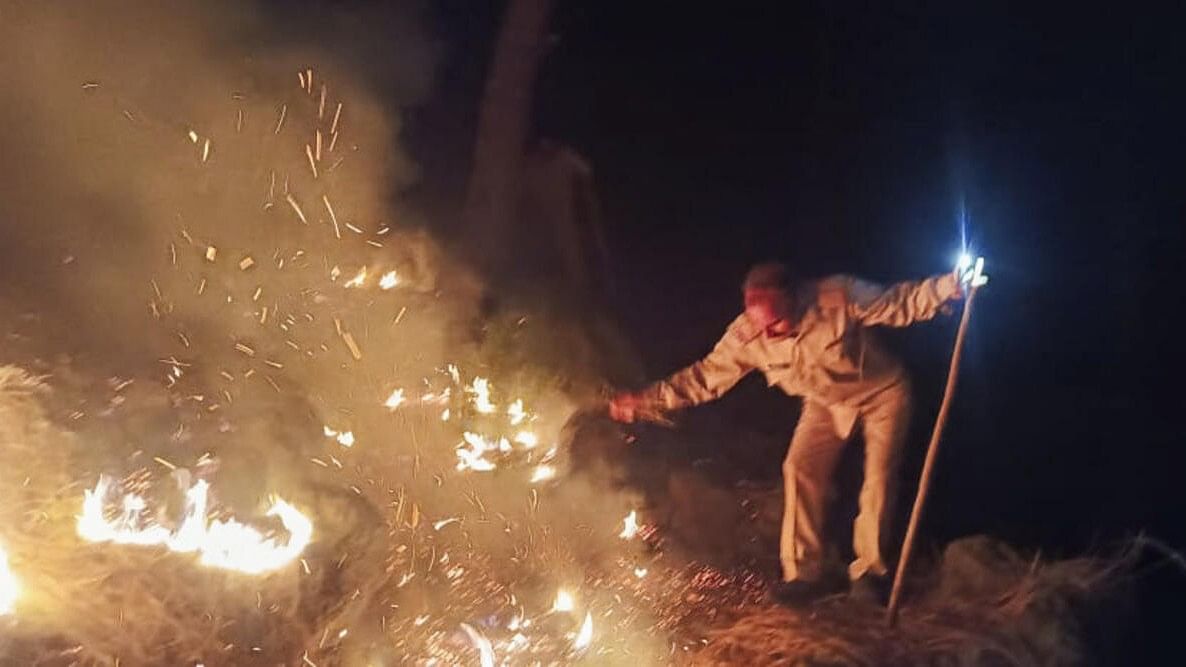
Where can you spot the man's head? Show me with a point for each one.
(767, 291)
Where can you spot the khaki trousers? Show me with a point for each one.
(807, 475)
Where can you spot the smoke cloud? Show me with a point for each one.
(204, 246)
(100, 175)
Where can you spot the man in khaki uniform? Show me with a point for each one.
(810, 340)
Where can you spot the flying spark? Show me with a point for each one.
(358, 279)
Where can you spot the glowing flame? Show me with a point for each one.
(516, 412)
(485, 650)
(344, 438)
(395, 400)
(358, 280)
(630, 529)
(10, 588)
(473, 457)
(433, 398)
(564, 601)
(543, 473)
(640, 572)
(585, 636)
(389, 280)
(229, 544)
(481, 391)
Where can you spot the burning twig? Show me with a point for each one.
(312, 162)
(296, 207)
(280, 122)
(333, 218)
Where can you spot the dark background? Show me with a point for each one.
(849, 137)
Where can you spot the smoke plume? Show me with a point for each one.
(204, 248)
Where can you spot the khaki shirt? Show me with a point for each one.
(828, 357)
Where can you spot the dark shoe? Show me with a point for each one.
(799, 593)
(871, 589)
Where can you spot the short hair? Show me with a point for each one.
(768, 276)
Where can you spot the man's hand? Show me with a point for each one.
(953, 285)
(624, 407)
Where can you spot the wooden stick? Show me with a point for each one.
(928, 466)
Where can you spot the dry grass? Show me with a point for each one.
(1013, 613)
(95, 605)
(91, 604)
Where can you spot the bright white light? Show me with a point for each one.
(395, 400)
(630, 528)
(10, 588)
(543, 473)
(585, 636)
(345, 438)
(389, 280)
(480, 388)
(564, 601)
(970, 270)
(963, 263)
(471, 453)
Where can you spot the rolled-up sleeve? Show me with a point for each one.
(705, 380)
(901, 304)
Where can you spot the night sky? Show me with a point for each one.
(847, 137)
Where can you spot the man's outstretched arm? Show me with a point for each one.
(901, 304)
(703, 381)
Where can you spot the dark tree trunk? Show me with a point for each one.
(502, 128)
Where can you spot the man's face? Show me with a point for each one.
(767, 309)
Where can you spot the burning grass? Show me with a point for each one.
(309, 353)
(552, 575)
(437, 583)
(88, 603)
